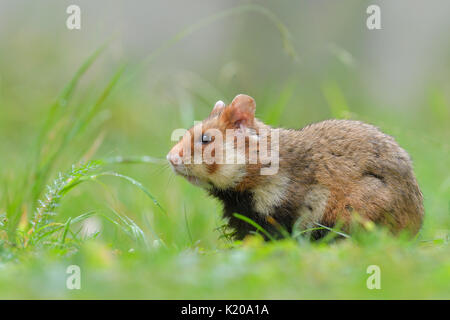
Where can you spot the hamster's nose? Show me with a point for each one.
(170, 159)
(174, 157)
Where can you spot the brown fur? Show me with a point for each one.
(344, 166)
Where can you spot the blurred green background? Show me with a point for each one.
(164, 66)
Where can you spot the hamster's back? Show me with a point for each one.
(365, 170)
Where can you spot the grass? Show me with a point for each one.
(95, 163)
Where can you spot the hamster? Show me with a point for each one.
(330, 173)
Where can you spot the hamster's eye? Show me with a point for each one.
(206, 139)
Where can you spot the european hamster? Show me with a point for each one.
(326, 172)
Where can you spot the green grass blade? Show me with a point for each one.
(77, 128)
(42, 167)
(254, 224)
(66, 229)
(134, 182)
(67, 93)
(133, 159)
(333, 230)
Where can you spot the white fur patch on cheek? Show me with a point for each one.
(197, 175)
(228, 175)
(231, 169)
(270, 195)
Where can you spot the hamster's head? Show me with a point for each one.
(214, 152)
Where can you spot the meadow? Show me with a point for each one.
(84, 180)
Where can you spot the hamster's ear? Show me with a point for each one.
(241, 111)
(218, 108)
